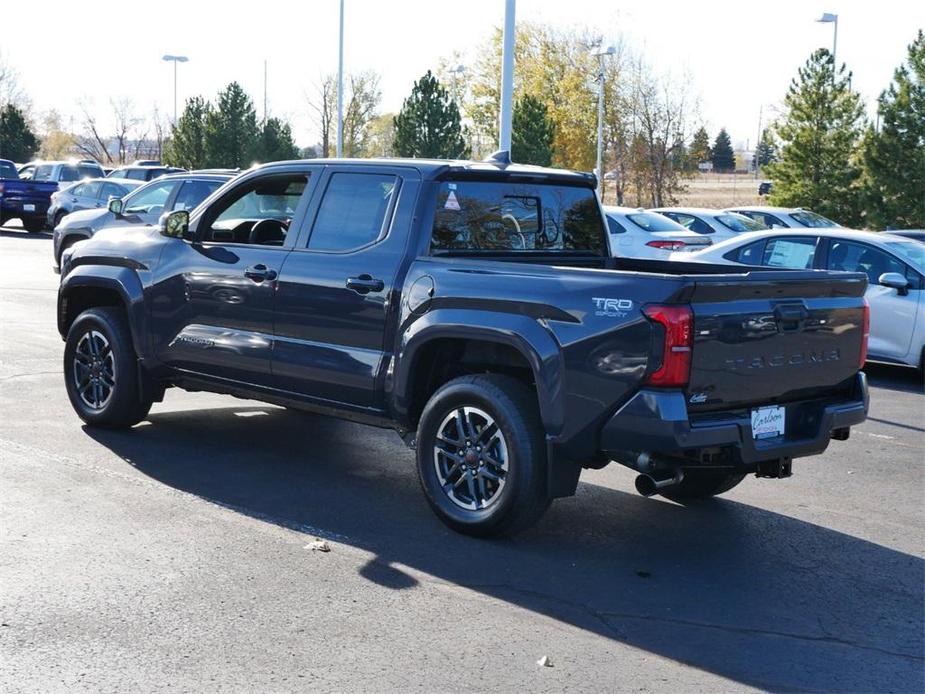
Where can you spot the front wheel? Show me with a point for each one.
(101, 370)
(33, 226)
(481, 455)
(702, 484)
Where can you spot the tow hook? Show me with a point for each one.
(775, 469)
(649, 485)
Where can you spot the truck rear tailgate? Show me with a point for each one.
(773, 337)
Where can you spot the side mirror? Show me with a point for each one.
(175, 224)
(894, 280)
(115, 206)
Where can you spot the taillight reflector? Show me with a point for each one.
(865, 335)
(675, 369)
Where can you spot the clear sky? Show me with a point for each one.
(739, 54)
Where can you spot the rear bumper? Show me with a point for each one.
(657, 422)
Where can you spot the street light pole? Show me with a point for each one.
(610, 50)
(175, 59)
(507, 77)
(340, 87)
(830, 18)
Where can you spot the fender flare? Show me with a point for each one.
(531, 340)
(124, 281)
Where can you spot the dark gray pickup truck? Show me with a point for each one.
(471, 306)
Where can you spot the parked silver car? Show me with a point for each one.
(87, 195)
(717, 225)
(61, 172)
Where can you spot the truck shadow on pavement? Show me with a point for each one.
(763, 599)
(899, 378)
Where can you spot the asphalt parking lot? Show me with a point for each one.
(176, 556)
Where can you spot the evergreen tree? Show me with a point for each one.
(722, 156)
(819, 136)
(894, 158)
(231, 130)
(532, 132)
(428, 124)
(700, 150)
(276, 142)
(766, 153)
(17, 141)
(187, 144)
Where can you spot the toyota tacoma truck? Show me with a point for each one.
(472, 307)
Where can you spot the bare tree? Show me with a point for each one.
(324, 104)
(360, 109)
(11, 91)
(91, 142)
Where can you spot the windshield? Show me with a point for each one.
(7, 170)
(739, 222)
(910, 251)
(485, 216)
(812, 220)
(654, 222)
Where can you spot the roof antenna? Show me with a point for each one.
(501, 158)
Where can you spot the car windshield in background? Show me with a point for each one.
(813, 220)
(654, 222)
(910, 251)
(738, 222)
(488, 216)
(8, 171)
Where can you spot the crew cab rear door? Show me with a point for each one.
(337, 288)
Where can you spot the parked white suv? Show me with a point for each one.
(635, 233)
(786, 217)
(64, 173)
(717, 225)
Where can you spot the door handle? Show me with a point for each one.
(364, 284)
(259, 273)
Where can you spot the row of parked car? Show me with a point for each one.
(791, 238)
(795, 239)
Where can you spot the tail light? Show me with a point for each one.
(677, 321)
(667, 245)
(865, 336)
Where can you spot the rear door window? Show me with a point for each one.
(794, 253)
(89, 172)
(69, 173)
(749, 255)
(614, 226)
(690, 222)
(514, 217)
(353, 211)
(111, 190)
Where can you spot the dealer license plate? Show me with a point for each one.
(767, 422)
(28, 208)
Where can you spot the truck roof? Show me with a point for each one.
(496, 166)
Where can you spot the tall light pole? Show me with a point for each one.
(175, 59)
(829, 18)
(600, 53)
(507, 77)
(340, 86)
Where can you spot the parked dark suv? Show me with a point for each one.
(142, 206)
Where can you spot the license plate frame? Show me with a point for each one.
(768, 422)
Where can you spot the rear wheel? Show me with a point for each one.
(33, 225)
(101, 370)
(701, 484)
(481, 455)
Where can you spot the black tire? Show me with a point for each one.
(59, 215)
(521, 499)
(34, 225)
(122, 406)
(702, 484)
